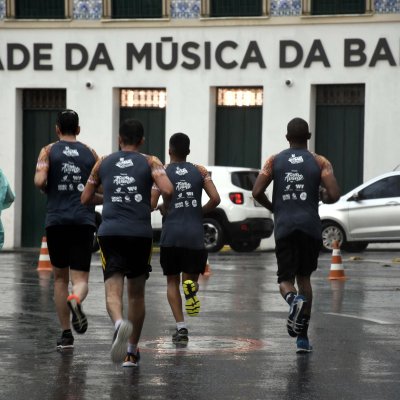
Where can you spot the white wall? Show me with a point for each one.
(190, 93)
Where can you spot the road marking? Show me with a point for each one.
(376, 321)
(203, 344)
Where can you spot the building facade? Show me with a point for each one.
(230, 74)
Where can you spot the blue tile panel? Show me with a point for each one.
(281, 8)
(87, 9)
(190, 9)
(2, 9)
(387, 6)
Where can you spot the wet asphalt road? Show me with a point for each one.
(238, 347)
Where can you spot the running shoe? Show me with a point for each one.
(120, 341)
(294, 321)
(132, 360)
(303, 345)
(79, 320)
(65, 342)
(192, 302)
(181, 336)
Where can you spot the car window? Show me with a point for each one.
(244, 179)
(386, 187)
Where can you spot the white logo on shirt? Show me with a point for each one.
(122, 163)
(138, 198)
(123, 180)
(303, 196)
(296, 160)
(182, 186)
(181, 171)
(70, 168)
(293, 177)
(70, 152)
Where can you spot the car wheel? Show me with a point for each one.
(355, 247)
(95, 246)
(331, 232)
(213, 235)
(245, 246)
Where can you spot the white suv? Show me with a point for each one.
(238, 220)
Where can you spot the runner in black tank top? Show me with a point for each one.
(182, 238)
(62, 171)
(298, 176)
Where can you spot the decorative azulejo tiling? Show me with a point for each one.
(185, 9)
(2, 8)
(190, 9)
(387, 6)
(285, 7)
(87, 9)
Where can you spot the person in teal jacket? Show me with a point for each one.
(6, 199)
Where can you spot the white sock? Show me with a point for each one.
(180, 325)
(117, 323)
(132, 348)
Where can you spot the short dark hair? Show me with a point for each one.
(131, 131)
(179, 143)
(68, 121)
(297, 130)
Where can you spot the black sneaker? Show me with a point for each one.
(294, 321)
(79, 320)
(120, 341)
(65, 342)
(181, 336)
(192, 305)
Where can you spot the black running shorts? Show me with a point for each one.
(175, 260)
(127, 255)
(297, 254)
(70, 246)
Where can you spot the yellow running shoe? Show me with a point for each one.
(192, 302)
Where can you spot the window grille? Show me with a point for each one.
(240, 97)
(136, 9)
(331, 7)
(36, 99)
(332, 95)
(143, 98)
(40, 9)
(236, 8)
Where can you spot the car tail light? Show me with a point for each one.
(236, 197)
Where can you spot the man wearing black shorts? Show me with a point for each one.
(300, 178)
(125, 234)
(62, 170)
(182, 237)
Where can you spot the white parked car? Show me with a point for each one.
(238, 220)
(370, 213)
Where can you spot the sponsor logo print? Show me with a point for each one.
(70, 152)
(303, 196)
(296, 160)
(138, 198)
(122, 163)
(123, 180)
(181, 171)
(182, 186)
(80, 187)
(70, 168)
(293, 177)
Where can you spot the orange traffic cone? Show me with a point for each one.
(207, 271)
(44, 258)
(337, 270)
